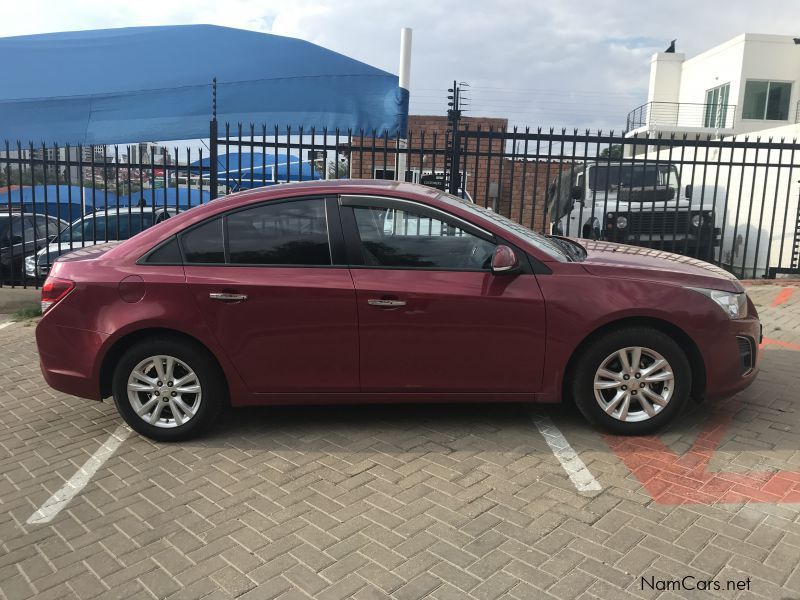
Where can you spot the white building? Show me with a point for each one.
(748, 84)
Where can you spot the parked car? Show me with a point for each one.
(642, 204)
(94, 228)
(298, 294)
(21, 235)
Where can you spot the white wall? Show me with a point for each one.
(715, 67)
(773, 57)
(747, 56)
(665, 77)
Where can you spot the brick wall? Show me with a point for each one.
(515, 188)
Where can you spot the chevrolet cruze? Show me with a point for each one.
(368, 291)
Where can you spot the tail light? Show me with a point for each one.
(55, 290)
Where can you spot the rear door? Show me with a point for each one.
(271, 283)
(432, 316)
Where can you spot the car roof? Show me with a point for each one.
(367, 187)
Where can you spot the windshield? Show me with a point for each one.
(540, 241)
(613, 177)
(112, 227)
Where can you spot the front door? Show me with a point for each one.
(265, 282)
(432, 316)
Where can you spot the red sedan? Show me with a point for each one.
(367, 291)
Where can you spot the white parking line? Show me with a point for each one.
(77, 482)
(581, 477)
(6, 324)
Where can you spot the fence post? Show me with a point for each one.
(213, 160)
(455, 163)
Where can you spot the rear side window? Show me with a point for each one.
(203, 244)
(288, 233)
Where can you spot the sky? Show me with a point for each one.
(569, 63)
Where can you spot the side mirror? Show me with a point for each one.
(504, 261)
(577, 192)
(688, 191)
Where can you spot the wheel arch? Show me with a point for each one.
(695, 358)
(118, 347)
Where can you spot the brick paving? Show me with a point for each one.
(404, 502)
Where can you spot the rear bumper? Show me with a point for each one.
(729, 367)
(67, 358)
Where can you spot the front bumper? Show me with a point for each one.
(733, 359)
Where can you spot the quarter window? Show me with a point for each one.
(287, 233)
(203, 244)
(767, 100)
(405, 239)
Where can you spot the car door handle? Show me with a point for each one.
(381, 303)
(227, 297)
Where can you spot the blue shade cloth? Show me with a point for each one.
(65, 201)
(236, 169)
(154, 83)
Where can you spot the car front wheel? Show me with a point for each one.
(632, 381)
(168, 389)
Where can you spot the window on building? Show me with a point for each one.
(766, 100)
(716, 109)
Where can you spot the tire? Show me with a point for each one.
(604, 407)
(197, 402)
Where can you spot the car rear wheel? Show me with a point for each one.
(632, 381)
(167, 389)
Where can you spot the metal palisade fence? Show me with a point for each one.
(729, 201)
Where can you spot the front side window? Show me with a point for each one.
(287, 233)
(766, 100)
(405, 239)
(22, 230)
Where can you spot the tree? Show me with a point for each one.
(339, 169)
(613, 151)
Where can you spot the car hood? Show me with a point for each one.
(607, 259)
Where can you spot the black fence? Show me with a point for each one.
(732, 202)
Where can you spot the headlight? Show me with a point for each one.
(622, 222)
(30, 265)
(697, 220)
(734, 305)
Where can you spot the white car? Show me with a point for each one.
(95, 228)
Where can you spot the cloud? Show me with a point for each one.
(577, 63)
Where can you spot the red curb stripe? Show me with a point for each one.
(671, 479)
(770, 342)
(783, 296)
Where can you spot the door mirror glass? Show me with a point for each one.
(504, 260)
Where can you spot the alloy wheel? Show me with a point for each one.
(634, 384)
(164, 391)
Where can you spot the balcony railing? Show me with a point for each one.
(682, 114)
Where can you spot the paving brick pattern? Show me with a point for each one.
(460, 501)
